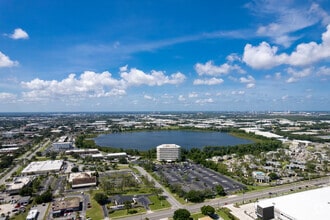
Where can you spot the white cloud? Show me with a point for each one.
(181, 98)
(89, 84)
(323, 71)
(7, 97)
(249, 81)
(212, 81)
(296, 75)
(240, 92)
(5, 61)
(262, 56)
(193, 95)
(212, 70)
(265, 57)
(156, 78)
(19, 34)
(148, 97)
(123, 68)
(203, 101)
(287, 19)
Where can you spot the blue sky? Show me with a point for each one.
(173, 55)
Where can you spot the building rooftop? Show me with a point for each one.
(312, 204)
(65, 204)
(43, 166)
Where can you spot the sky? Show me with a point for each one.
(164, 55)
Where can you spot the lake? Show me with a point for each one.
(145, 140)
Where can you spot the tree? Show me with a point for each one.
(101, 198)
(45, 197)
(181, 214)
(195, 196)
(74, 169)
(220, 190)
(207, 210)
(273, 176)
(128, 205)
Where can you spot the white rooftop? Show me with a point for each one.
(43, 166)
(312, 204)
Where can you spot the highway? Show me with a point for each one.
(216, 203)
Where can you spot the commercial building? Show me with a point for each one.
(168, 152)
(65, 205)
(62, 144)
(17, 184)
(312, 204)
(82, 179)
(43, 167)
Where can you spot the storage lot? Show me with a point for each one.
(196, 177)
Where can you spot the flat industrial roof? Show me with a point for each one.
(311, 204)
(43, 166)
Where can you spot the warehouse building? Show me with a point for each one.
(168, 152)
(312, 204)
(43, 167)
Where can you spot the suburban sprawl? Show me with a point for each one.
(52, 168)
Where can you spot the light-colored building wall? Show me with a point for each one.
(168, 152)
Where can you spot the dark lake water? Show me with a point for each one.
(146, 140)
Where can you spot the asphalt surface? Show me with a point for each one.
(269, 192)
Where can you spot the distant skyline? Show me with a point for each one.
(166, 55)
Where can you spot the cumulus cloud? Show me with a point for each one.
(249, 81)
(212, 70)
(296, 75)
(5, 61)
(212, 81)
(265, 56)
(155, 78)
(19, 34)
(91, 84)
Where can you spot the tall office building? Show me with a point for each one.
(168, 152)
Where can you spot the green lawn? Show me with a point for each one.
(158, 204)
(95, 212)
(122, 213)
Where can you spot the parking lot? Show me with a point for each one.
(196, 177)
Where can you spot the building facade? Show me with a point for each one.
(168, 152)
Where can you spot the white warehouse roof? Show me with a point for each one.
(312, 204)
(43, 166)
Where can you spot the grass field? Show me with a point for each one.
(95, 212)
(158, 204)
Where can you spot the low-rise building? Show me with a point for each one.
(43, 167)
(65, 205)
(17, 184)
(82, 179)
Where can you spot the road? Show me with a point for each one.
(266, 193)
(174, 203)
(27, 156)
